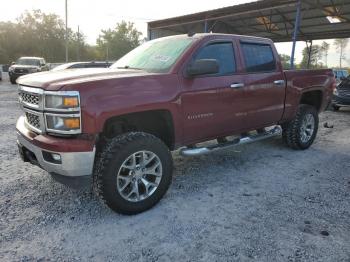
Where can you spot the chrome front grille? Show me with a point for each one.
(31, 97)
(21, 70)
(33, 120)
(28, 98)
(31, 101)
(344, 91)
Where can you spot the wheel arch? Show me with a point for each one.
(158, 122)
(312, 98)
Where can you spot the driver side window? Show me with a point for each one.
(223, 53)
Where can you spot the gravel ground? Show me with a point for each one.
(259, 202)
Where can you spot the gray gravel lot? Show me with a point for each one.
(259, 202)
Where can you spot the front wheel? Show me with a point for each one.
(335, 107)
(301, 132)
(133, 172)
(12, 80)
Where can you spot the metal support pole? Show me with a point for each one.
(149, 34)
(205, 26)
(309, 49)
(78, 45)
(107, 53)
(66, 32)
(295, 34)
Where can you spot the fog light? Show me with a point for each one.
(56, 157)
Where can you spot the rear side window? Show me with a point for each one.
(91, 65)
(78, 66)
(223, 53)
(96, 65)
(258, 57)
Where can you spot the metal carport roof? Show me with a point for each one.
(279, 20)
(274, 19)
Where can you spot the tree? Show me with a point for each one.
(340, 45)
(34, 34)
(285, 60)
(42, 35)
(324, 50)
(10, 42)
(38, 34)
(119, 41)
(315, 56)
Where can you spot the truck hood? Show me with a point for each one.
(55, 80)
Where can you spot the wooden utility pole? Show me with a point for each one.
(78, 45)
(66, 32)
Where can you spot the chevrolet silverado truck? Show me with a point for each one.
(26, 65)
(118, 125)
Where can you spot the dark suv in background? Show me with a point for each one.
(341, 95)
(26, 65)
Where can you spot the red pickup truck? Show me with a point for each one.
(118, 125)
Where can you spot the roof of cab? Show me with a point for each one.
(213, 35)
(30, 57)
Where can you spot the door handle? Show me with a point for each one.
(237, 85)
(279, 82)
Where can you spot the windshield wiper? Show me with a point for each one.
(129, 67)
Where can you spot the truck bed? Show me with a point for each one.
(301, 80)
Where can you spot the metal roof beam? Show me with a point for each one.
(286, 20)
(322, 8)
(291, 21)
(218, 17)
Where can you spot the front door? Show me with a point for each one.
(208, 100)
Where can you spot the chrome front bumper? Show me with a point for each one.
(73, 164)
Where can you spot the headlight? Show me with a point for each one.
(335, 92)
(63, 114)
(62, 101)
(64, 124)
(11, 69)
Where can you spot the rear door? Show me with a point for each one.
(264, 85)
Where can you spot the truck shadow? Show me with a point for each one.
(189, 173)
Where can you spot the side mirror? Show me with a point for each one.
(342, 78)
(13, 63)
(203, 67)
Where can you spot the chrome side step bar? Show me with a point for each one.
(277, 130)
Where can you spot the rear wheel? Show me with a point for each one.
(133, 172)
(12, 80)
(300, 133)
(335, 107)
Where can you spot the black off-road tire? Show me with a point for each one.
(291, 131)
(335, 107)
(12, 80)
(112, 156)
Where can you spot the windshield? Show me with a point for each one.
(345, 73)
(156, 56)
(28, 61)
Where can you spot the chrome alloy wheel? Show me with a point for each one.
(307, 128)
(139, 176)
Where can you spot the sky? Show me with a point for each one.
(92, 16)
